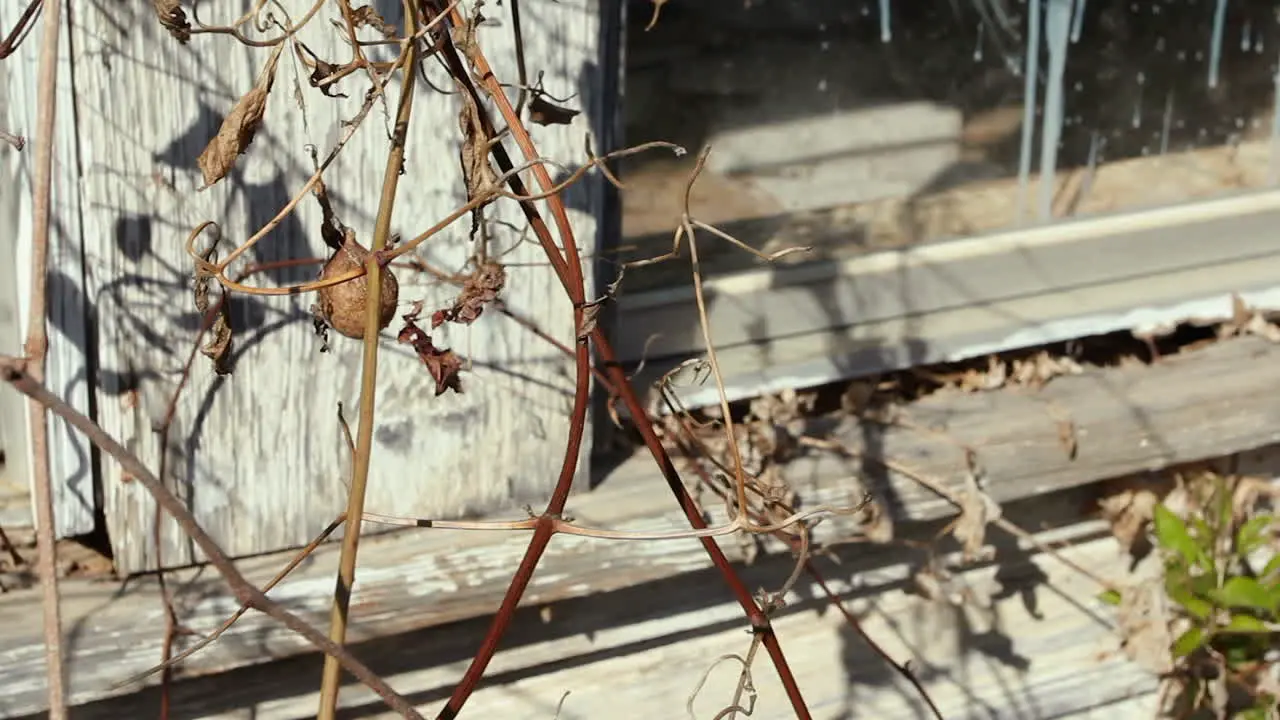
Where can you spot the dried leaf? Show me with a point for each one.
(976, 510)
(591, 310)
(322, 71)
(444, 365)
(218, 349)
(477, 173)
(1144, 618)
(590, 318)
(994, 378)
(366, 16)
(1129, 511)
(543, 112)
(480, 289)
(239, 127)
(1037, 370)
(1247, 321)
(173, 19)
(332, 230)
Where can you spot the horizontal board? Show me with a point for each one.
(1202, 404)
(1036, 642)
(805, 324)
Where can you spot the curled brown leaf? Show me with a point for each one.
(218, 349)
(366, 16)
(444, 365)
(543, 112)
(239, 127)
(173, 19)
(480, 289)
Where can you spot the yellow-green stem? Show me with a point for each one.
(331, 676)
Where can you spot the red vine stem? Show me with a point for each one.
(570, 275)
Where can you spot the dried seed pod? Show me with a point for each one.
(342, 305)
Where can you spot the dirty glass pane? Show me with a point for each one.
(888, 122)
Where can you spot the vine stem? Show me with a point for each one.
(568, 269)
(36, 351)
(331, 674)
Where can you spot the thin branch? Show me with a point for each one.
(946, 494)
(570, 274)
(331, 675)
(13, 371)
(901, 668)
(20, 30)
(36, 350)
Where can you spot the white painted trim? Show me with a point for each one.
(828, 320)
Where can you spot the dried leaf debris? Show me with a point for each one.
(239, 127)
(444, 365)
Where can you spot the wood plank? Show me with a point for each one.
(807, 324)
(1203, 404)
(67, 369)
(1041, 644)
(850, 229)
(259, 454)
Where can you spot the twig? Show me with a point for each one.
(19, 32)
(226, 625)
(936, 487)
(331, 674)
(17, 141)
(36, 350)
(902, 669)
(568, 273)
(13, 371)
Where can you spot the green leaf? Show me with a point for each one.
(1172, 534)
(1241, 623)
(1273, 565)
(1244, 592)
(1188, 642)
(1109, 596)
(1257, 712)
(1252, 534)
(1178, 586)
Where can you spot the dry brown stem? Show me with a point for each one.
(36, 349)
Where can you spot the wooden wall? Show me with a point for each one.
(258, 453)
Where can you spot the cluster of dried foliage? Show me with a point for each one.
(357, 294)
(737, 456)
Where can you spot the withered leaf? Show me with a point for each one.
(218, 349)
(480, 289)
(366, 16)
(332, 231)
(444, 365)
(545, 113)
(239, 127)
(173, 19)
(478, 174)
(976, 510)
(322, 71)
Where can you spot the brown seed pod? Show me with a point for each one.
(342, 305)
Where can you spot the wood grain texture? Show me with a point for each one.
(258, 454)
(1206, 404)
(849, 229)
(67, 370)
(804, 325)
(1037, 645)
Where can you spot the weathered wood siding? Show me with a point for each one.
(67, 370)
(411, 585)
(258, 454)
